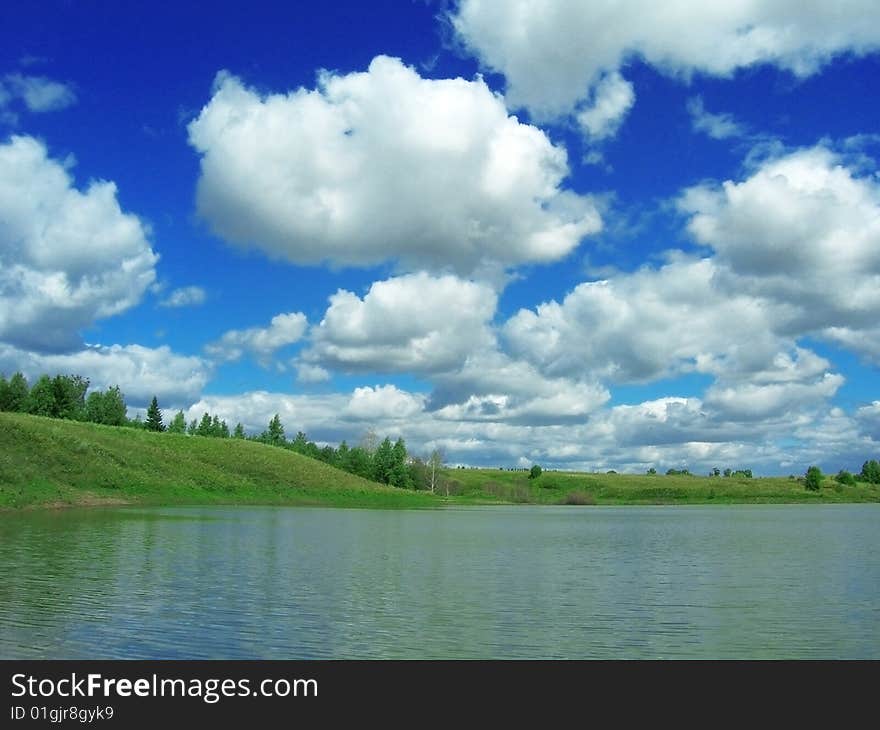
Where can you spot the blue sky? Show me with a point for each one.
(587, 236)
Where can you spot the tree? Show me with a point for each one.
(871, 472)
(193, 427)
(154, 416)
(399, 476)
(204, 428)
(844, 477)
(274, 434)
(813, 479)
(383, 461)
(70, 393)
(16, 394)
(716, 472)
(178, 423)
(535, 472)
(435, 464)
(115, 410)
(238, 433)
(652, 471)
(41, 399)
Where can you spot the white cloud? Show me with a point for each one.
(384, 165)
(306, 373)
(385, 402)
(552, 52)
(67, 257)
(650, 324)
(613, 97)
(39, 93)
(187, 296)
(414, 323)
(716, 126)
(140, 372)
(803, 232)
(262, 342)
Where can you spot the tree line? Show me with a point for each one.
(64, 396)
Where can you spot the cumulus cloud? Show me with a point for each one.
(716, 126)
(650, 324)
(613, 97)
(38, 93)
(414, 323)
(803, 232)
(384, 165)
(187, 296)
(67, 257)
(553, 52)
(140, 372)
(262, 342)
(309, 374)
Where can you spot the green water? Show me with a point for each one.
(520, 582)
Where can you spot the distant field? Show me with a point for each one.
(577, 488)
(47, 462)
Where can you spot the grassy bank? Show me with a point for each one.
(48, 462)
(489, 485)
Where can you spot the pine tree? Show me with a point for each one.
(383, 461)
(239, 431)
(193, 427)
(154, 416)
(275, 433)
(204, 428)
(399, 476)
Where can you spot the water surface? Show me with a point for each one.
(768, 581)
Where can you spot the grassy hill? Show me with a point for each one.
(51, 462)
(578, 488)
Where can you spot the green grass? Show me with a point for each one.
(486, 485)
(46, 462)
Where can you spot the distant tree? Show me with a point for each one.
(745, 473)
(652, 471)
(70, 393)
(369, 441)
(399, 473)
(727, 472)
(341, 459)
(360, 462)
(41, 399)
(15, 395)
(813, 479)
(328, 455)
(435, 464)
(115, 410)
(716, 472)
(871, 472)
(238, 433)
(274, 434)
(383, 461)
(193, 428)
(300, 443)
(535, 472)
(154, 416)
(204, 428)
(178, 423)
(844, 477)
(136, 422)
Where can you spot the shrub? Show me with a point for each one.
(844, 477)
(813, 479)
(535, 472)
(579, 498)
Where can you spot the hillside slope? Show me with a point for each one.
(55, 463)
